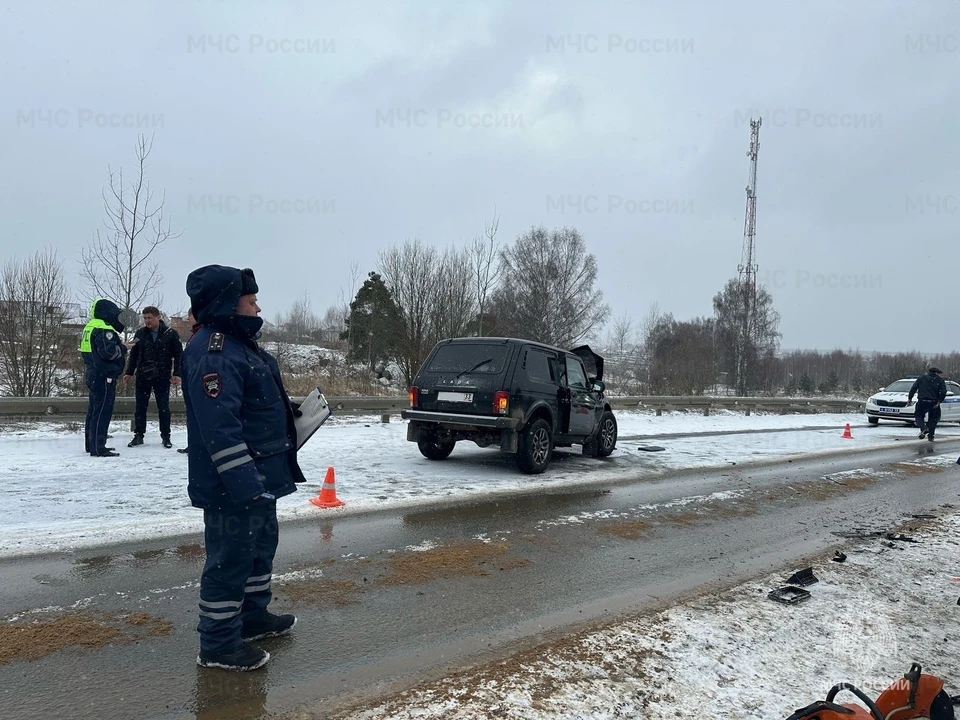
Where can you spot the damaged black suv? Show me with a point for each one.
(522, 396)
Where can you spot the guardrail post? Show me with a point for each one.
(385, 418)
(659, 412)
(746, 411)
(706, 411)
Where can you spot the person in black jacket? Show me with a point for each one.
(930, 390)
(155, 360)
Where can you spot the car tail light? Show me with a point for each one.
(414, 396)
(501, 402)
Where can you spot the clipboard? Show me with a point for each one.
(316, 411)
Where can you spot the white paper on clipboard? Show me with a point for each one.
(315, 413)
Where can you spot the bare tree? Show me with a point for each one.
(344, 300)
(622, 355)
(747, 333)
(301, 322)
(681, 356)
(118, 264)
(334, 319)
(33, 307)
(620, 339)
(485, 256)
(453, 305)
(408, 272)
(648, 326)
(548, 292)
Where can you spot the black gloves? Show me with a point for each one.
(296, 409)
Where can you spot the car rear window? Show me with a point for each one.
(469, 359)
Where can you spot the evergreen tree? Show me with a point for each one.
(375, 325)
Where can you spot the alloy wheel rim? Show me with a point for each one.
(607, 433)
(541, 445)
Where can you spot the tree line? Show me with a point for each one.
(542, 286)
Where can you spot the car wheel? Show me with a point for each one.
(607, 439)
(434, 448)
(536, 444)
(873, 421)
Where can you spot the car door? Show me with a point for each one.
(583, 401)
(537, 379)
(950, 408)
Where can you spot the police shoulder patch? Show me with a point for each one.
(215, 344)
(212, 385)
(109, 335)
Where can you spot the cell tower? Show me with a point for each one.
(747, 269)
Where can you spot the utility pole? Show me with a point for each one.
(747, 269)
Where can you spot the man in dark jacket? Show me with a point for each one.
(242, 457)
(930, 390)
(156, 348)
(103, 354)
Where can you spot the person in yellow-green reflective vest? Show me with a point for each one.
(104, 354)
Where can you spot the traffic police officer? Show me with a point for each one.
(930, 390)
(242, 457)
(103, 355)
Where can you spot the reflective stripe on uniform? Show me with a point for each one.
(258, 583)
(223, 615)
(234, 463)
(229, 451)
(221, 604)
(220, 609)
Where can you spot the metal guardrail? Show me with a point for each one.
(75, 408)
(747, 404)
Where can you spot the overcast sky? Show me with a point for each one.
(296, 138)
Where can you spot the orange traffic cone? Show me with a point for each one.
(846, 433)
(328, 493)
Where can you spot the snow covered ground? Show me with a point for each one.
(733, 654)
(59, 498)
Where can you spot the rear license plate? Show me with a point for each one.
(891, 411)
(455, 397)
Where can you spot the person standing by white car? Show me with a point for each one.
(930, 390)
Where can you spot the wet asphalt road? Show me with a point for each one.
(360, 633)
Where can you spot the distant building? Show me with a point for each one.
(181, 325)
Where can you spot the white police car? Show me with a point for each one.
(891, 403)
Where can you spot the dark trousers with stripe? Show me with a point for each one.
(925, 408)
(235, 585)
(100, 401)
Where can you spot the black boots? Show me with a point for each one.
(268, 626)
(246, 657)
(138, 440)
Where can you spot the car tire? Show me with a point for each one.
(873, 421)
(607, 437)
(432, 448)
(535, 447)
